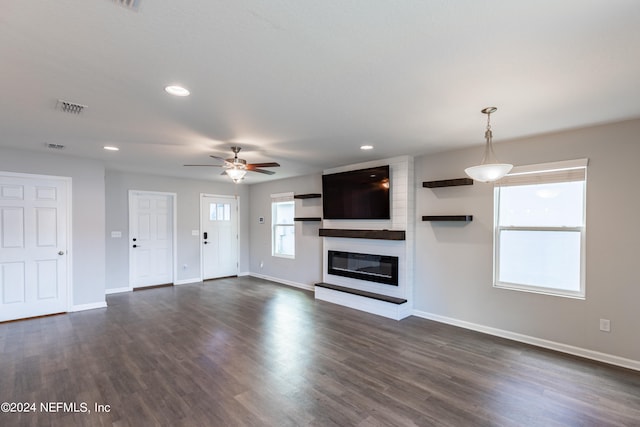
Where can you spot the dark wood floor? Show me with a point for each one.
(244, 351)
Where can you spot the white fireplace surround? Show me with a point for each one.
(402, 195)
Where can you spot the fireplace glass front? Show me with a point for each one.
(369, 267)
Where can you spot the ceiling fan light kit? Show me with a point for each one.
(490, 169)
(236, 174)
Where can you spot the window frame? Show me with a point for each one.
(533, 170)
(275, 200)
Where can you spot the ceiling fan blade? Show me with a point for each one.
(264, 171)
(226, 162)
(251, 166)
(211, 166)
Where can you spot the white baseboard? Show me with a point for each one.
(187, 281)
(551, 345)
(90, 306)
(244, 273)
(117, 290)
(283, 281)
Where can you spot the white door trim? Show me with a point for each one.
(237, 216)
(174, 225)
(69, 255)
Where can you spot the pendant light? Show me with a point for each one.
(489, 169)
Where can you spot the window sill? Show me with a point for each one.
(541, 291)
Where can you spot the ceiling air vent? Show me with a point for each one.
(54, 146)
(129, 4)
(70, 107)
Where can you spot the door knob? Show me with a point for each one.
(61, 253)
(135, 246)
(206, 243)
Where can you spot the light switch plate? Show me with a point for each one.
(195, 232)
(116, 234)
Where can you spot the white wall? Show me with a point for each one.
(454, 262)
(188, 193)
(306, 269)
(88, 214)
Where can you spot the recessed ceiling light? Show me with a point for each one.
(177, 90)
(111, 148)
(366, 147)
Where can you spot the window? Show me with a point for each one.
(219, 212)
(283, 241)
(540, 229)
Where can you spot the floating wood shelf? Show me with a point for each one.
(308, 218)
(458, 218)
(380, 297)
(308, 196)
(448, 183)
(364, 234)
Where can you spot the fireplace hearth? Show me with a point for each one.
(368, 267)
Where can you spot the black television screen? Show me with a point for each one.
(358, 194)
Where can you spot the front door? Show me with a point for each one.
(219, 236)
(150, 238)
(33, 246)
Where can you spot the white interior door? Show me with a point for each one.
(150, 238)
(219, 236)
(33, 246)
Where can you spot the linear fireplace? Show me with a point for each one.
(369, 267)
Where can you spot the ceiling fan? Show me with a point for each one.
(237, 168)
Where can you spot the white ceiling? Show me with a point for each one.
(305, 83)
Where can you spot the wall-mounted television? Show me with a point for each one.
(357, 194)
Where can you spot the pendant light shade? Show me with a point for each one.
(489, 169)
(488, 172)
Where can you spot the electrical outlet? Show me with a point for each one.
(605, 325)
